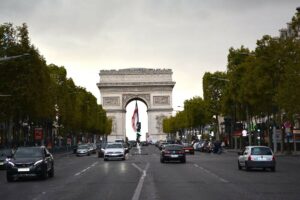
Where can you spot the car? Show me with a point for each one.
(92, 147)
(126, 147)
(119, 141)
(132, 143)
(188, 148)
(172, 152)
(5, 155)
(257, 157)
(114, 151)
(144, 143)
(100, 149)
(162, 145)
(83, 150)
(30, 162)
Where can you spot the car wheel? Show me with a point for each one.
(44, 174)
(239, 165)
(9, 178)
(105, 159)
(162, 160)
(183, 160)
(51, 172)
(273, 169)
(246, 167)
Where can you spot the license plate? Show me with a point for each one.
(261, 159)
(187, 150)
(174, 156)
(23, 170)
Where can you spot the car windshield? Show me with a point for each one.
(261, 151)
(186, 145)
(28, 152)
(173, 147)
(112, 146)
(5, 152)
(83, 147)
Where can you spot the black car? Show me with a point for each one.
(5, 154)
(172, 152)
(30, 162)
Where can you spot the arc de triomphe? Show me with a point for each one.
(152, 86)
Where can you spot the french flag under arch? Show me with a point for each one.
(135, 117)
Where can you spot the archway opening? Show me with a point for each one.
(143, 118)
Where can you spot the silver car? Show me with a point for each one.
(114, 151)
(257, 157)
(83, 150)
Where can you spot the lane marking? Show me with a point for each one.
(137, 167)
(84, 170)
(138, 189)
(212, 174)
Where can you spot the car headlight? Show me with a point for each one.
(11, 163)
(38, 162)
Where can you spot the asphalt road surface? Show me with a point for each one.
(142, 176)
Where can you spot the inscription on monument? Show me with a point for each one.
(161, 100)
(111, 101)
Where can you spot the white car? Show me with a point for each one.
(114, 151)
(83, 150)
(257, 157)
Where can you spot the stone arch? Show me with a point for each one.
(154, 87)
(129, 99)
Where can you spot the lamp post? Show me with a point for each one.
(13, 57)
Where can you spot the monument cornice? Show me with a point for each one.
(136, 71)
(135, 84)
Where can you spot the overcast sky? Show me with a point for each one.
(190, 37)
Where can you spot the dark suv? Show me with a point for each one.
(30, 162)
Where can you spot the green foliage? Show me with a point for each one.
(39, 94)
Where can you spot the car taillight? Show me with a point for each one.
(249, 158)
(273, 158)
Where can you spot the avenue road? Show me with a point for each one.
(142, 176)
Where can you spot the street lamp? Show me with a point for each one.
(5, 58)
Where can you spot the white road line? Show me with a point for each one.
(137, 167)
(84, 170)
(212, 174)
(138, 189)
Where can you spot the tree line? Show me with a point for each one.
(263, 83)
(34, 94)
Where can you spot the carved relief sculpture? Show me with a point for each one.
(161, 100)
(111, 101)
